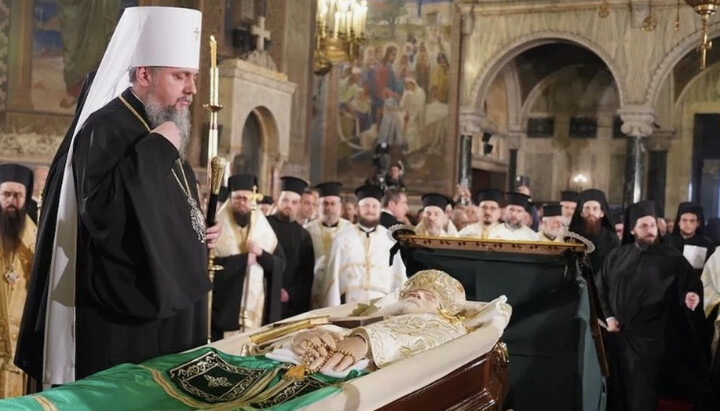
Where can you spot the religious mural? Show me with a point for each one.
(393, 100)
(69, 39)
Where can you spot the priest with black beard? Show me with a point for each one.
(592, 220)
(120, 273)
(246, 292)
(690, 231)
(297, 280)
(17, 247)
(641, 286)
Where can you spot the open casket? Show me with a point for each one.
(555, 350)
(468, 373)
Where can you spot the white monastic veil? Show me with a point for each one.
(123, 52)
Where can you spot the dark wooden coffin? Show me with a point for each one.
(478, 385)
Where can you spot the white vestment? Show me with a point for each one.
(358, 267)
(233, 241)
(477, 230)
(711, 285)
(503, 232)
(322, 238)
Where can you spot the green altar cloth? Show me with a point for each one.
(200, 379)
(553, 362)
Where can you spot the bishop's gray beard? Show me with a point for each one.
(12, 224)
(158, 114)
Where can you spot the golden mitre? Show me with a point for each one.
(446, 289)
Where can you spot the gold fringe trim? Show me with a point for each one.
(171, 391)
(46, 404)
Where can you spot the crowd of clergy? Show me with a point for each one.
(658, 280)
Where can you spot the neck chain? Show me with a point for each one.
(196, 216)
(10, 276)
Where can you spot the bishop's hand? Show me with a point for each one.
(170, 131)
(316, 343)
(692, 300)
(212, 234)
(613, 326)
(348, 352)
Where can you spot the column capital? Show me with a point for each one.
(661, 140)
(638, 121)
(471, 122)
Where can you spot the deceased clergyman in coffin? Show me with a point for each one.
(398, 352)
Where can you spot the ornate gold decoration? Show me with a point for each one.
(650, 22)
(340, 32)
(705, 8)
(604, 9)
(285, 329)
(446, 289)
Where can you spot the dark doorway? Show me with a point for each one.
(482, 179)
(248, 160)
(705, 189)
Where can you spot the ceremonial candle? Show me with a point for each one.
(348, 22)
(213, 71)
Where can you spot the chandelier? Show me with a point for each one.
(705, 8)
(340, 32)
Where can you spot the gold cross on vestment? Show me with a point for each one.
(255, 197)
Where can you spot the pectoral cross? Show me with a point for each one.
(261, 33)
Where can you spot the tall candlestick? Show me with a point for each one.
(337, 23)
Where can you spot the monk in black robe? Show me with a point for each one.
(690, 230)
(592, 220)
(247, 239)
(141, 278)
(297, 246)
(640, 284)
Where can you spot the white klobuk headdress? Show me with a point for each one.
(144, 36)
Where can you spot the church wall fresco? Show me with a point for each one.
(4, 43)
(397, 93)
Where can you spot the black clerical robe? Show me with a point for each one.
(388, 220)
(643, 290)
(300, 261)
(605, 241)
(141, 276)
(229, 285)
(677, 241)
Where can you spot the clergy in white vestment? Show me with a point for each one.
(514, 229)
(324, 229)
(711, 299)
(553, 225)
(434, 218)
(246, 292)
(359, 268)
(491, 202)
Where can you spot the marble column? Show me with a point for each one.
(514, 138)
(658, 145)
(465, 160)
(637, 126)
(470, 122)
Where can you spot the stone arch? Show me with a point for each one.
(496, 63)
(542, 85)
(663, 70)
(269, 143)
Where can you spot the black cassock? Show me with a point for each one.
(645, 291)
(229, 285)
(676, 241)
(605, 241)
(300, 262)
(141, 276)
